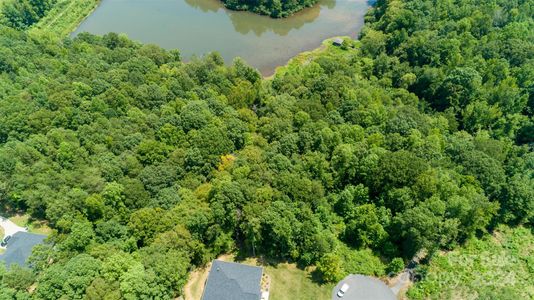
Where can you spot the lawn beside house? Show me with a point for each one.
(291, 283)
(287, 281)
(39, 227)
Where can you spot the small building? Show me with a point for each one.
(337, 42)
(19, 248)
(363, 288)
(233, 281)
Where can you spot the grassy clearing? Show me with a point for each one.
(326, 49)
(65, 17)
(498, 266)
(40, 227)
(287, 282)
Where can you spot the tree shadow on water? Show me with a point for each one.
(247, 22)
(206, 5)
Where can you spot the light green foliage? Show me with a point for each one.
(64, 17)
(330, 268)
(18, 278)
(80, 236)
(365, 228)
(395, 266)
(344, 260)
(69, 280)
(137, 283)
(494, 267)
(362, 261)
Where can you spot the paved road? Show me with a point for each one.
(10, 228)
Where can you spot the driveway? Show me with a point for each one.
(363, 288)
(10, 228)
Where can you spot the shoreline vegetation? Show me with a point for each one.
(65, 17)
(62, 17)
(271, 8)
(56, 17)
(325, 49)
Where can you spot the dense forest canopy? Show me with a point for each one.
(146, 167)
(273, 8)
(21, 14)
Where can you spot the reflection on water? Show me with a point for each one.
(245, 23)
(205, 5)
(197, 27)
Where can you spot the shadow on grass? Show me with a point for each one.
(263, 260)
(244, 254)
(6, 212)
(316, 277)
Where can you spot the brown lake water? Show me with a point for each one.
(197, 27)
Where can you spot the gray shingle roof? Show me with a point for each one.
(233, 281)
(19, 248)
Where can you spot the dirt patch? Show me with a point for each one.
(194, 287)
(400, 285)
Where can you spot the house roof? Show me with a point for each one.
(363, 288)
(19, 248)
(233, 281)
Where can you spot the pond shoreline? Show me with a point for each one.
(263, 42)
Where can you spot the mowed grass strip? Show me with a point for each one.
(65, 17)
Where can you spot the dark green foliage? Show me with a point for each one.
(273, 8)
(21, 14)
